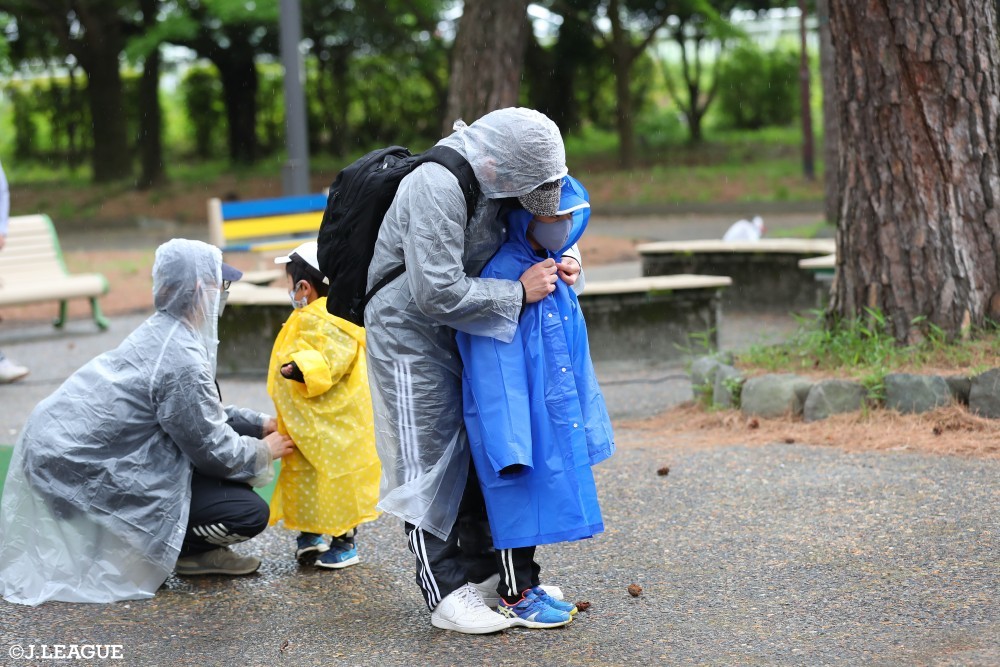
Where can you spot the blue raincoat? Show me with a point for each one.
(535, 402)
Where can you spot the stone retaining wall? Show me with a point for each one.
(784, 395)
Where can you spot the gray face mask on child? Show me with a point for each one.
(551, 235)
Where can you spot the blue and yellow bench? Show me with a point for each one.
(265, 225)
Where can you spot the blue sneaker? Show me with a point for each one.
(341, 554)
(558, 605)
(531, 612)
(309, 544)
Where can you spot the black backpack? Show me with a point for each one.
(358, 200)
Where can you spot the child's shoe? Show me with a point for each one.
(558, 605)
(309, 544)
(341, 553)
(531, 612)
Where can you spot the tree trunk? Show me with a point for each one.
(919, 105)
(805, 95)
(487, 59)
(111, 158)
(831, 124)
(623, 113)
(239, 92)
(150, 139)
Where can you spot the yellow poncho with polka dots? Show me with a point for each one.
(329, 484)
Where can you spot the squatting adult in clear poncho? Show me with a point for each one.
(414, 367)
(102, 496)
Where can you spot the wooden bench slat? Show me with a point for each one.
(781, 245)
(70, 287)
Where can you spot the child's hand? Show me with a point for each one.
(291, 371)
(270, 426)
(569, 270)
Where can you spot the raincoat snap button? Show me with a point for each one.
(575, 425)
(550, 314)
(564, 370)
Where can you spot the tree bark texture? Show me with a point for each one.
(150, 140)
(239, 91)
(487, 59)
(98, 54)
(919, 105)
(831, 123)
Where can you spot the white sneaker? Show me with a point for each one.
(11, 372)
(217, 561)
(488, 591)
(463, 610)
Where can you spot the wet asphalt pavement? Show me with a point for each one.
(775, 555)
(764, 555)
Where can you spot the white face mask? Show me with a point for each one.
(551, 235)
(297, 303)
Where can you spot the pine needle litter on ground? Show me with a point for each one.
(951, 431)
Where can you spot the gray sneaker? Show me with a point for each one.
(217, 561)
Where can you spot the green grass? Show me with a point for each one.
(864, 350)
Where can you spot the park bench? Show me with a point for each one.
(32, 270)
(637, 318)
(267, 227)
(766, 273)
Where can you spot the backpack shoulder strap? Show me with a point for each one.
(453, 161)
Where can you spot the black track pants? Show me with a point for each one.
(222, 513)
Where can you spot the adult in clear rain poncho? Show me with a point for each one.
(518, 158)
(102, 496)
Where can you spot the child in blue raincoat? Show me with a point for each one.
(535, 416)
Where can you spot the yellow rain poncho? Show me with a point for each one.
(329, 484)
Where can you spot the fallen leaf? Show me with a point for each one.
(753, 423)
(664, 471)
(284, 645)
(634, 590)
(789, 441)
(937, 430)
(582, 606)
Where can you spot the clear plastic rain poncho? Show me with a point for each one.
(96, 502)
(413, 363)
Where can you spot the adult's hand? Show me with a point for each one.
(569, 270)
(280, 445)
(539, 280)
(270, 426)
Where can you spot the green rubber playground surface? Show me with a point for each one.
(7, 450)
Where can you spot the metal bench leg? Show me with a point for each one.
(63, 313)
(102, 322)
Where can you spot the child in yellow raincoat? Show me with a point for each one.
(318, 380)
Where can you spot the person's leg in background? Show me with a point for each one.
(10, 371)
(222, 513)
